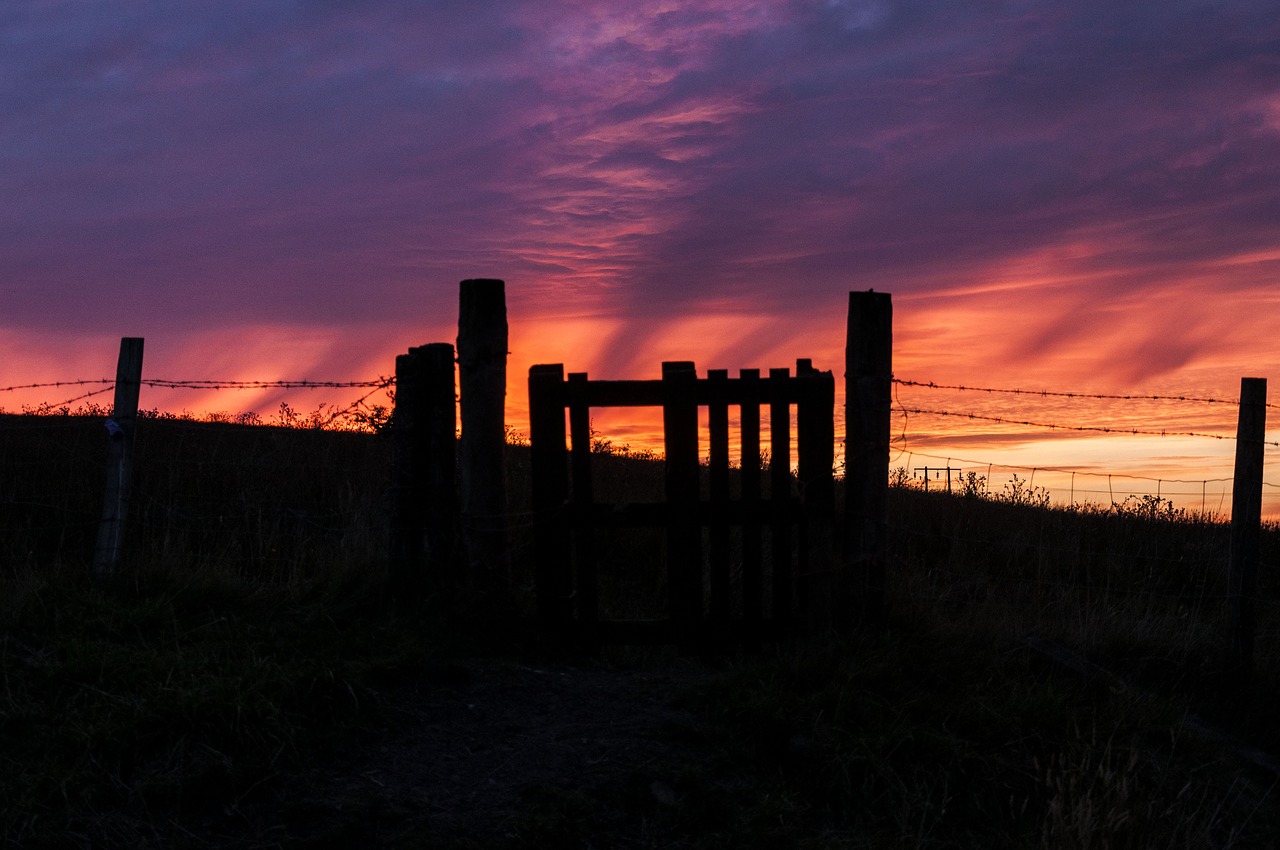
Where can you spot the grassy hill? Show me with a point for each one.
(1047, 677)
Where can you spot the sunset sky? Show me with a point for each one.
(1078, 196)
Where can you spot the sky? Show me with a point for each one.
(1076, 195)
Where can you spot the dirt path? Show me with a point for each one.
(488, 752)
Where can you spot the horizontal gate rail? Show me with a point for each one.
(707, 604)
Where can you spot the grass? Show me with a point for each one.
(249, 635)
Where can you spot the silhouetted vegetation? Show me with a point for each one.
(249, 638)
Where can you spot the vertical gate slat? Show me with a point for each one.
(718, 433)
(752, 582)
(684, 537)
(550, 491)
(780, 491)
(816, 461)
(583, 502)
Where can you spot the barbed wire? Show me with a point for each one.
(48, 384)
(1104, 429)
(210, 384)
(74, 399)
(386, 382)
(1067, 394)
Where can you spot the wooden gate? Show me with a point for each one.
(712, 597)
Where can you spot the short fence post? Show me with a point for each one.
(684, 534)
(120, 428)
(482, 384)
(868, 394)
(1246, 522)
(425, 427)
(548, 463)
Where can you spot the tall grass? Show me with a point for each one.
(249, 630)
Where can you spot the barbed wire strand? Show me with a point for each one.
(57, 384)
(1104, 429)
(1068, 394)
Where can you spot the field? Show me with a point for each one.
(1047, 678)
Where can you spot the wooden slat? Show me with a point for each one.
(684, 541)
(718, 459)
(584, 560)
(650, 393)
(780, 489)
(752, 578)
(550, 492)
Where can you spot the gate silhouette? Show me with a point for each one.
(709, 602)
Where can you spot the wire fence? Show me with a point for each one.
(266, 501)
(1148, 459)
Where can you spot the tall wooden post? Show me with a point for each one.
(120, 430)
(482, 380)
(425, 423)
(1246, 522)
(868, 395)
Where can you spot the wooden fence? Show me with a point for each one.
(777, 588)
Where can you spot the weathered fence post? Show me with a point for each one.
(868, 394)
(550, 485)
(425, 423)
(1246, 522)
(482, 385)
(684, 534)
(120, 429)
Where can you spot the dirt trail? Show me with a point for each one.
(469, 750)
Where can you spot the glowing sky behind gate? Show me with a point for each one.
(1061, 195)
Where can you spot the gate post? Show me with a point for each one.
(482, 385)
(425, 428)
(868, 394)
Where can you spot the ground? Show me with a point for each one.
(491, 753)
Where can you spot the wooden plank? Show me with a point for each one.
(120, 438)
(752, 544)
(780, 491)
(718, 488)
(584, 555)
(815, 470)
(684, 540)
(1246, 523)
(550, 492)
(868, 394)
(650, 393)
(482, 389)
